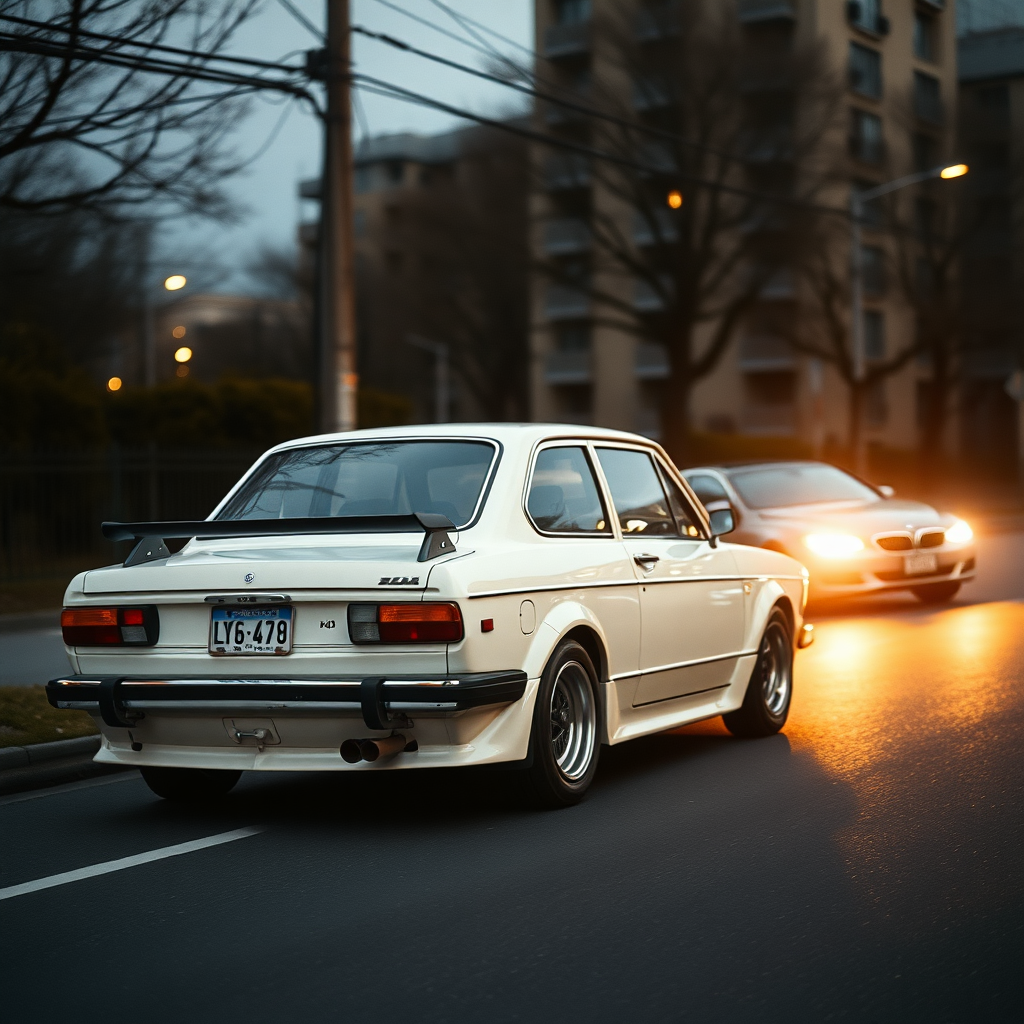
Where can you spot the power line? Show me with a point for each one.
(381, 87)
(547, 97)
(13, 42)
(435, 27)
(465, 18)
(302, 19)
(161, 47)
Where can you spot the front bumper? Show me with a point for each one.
(122, 701)
(874, 574)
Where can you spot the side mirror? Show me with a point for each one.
(722, 522)
(886, 491)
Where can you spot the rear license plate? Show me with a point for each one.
(251, 630)
(915, 565)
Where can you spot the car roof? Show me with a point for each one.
(517, 433)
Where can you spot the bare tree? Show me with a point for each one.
(89, 120)
(715, 155)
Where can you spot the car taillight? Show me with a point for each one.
(100, 627)
(429, 623)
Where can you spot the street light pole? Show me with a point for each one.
(858, 341)
(442, 385)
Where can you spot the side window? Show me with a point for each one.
(563, 494)
(639, 498)
(680, 505)
(707, 488)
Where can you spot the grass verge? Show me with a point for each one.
(26, 717)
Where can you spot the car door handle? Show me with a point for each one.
(646, 562)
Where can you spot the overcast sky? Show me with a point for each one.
(268, 187)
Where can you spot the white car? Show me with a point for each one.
(414, 597)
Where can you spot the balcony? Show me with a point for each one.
(566, 236)
(570, 40)
(564, 303)
(651, 361)
(752, 11)
(660, 230)
(765, 352)
(567, 171)
(567, 368)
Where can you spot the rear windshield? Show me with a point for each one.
(809, 484)
(369, 479)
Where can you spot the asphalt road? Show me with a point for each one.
(867, 865)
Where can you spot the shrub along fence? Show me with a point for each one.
(52, 503)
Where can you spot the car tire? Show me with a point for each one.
(765, 707)
(190, 785)
(565, 739)
(936, 593)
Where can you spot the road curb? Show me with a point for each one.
(49, 764)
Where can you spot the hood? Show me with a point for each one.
(863, 518)
(300, 563)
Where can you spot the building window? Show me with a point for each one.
(927, 98)
(573, 338)
(865, 14)
(873, 270)
(363, 178)
(874, 335)
(924, 36)
(572, 12)
(926, 151)
(395, 172)
(865, 71)
(866, 140)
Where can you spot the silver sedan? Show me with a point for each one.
(853, 537)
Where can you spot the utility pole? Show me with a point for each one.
(338, 378)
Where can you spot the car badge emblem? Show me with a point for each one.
(249, 577)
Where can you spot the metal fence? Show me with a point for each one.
(52, 504)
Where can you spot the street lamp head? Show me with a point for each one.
(953, 171)
(183, 354)
(175, 282)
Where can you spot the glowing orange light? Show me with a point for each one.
(183, 354)
(114, 384)
(954, 171)
(175, 282)
(675, 199)
(182, 371)
(178, 332)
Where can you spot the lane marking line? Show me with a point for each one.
(126, 862)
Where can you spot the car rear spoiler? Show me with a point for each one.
(151, 538)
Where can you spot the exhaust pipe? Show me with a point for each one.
(354, 751)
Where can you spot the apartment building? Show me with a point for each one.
(895, 62)
(440, 223)
(991, 72)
